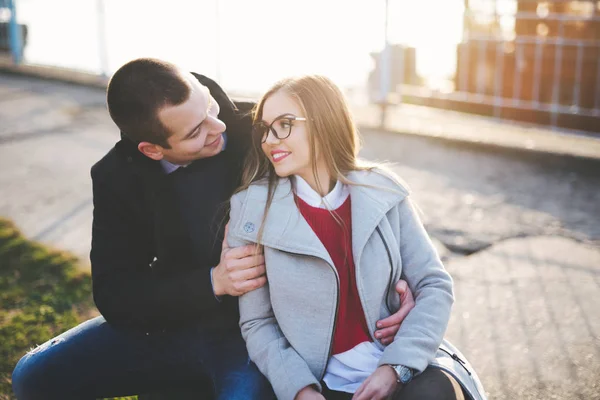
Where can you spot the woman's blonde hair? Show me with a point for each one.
(331, 133)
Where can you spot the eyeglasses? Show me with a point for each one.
(281, 127)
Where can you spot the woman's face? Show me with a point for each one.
(291, 155)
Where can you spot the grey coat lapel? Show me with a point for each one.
(285, 229)
(369, 206)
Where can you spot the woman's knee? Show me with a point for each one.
(432, 384)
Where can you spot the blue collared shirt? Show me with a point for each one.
(169, 167)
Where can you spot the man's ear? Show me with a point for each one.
(151, 150)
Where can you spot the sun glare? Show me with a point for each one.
(247, 45)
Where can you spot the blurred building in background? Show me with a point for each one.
(525, 60)
(531, 61)
(403, 70)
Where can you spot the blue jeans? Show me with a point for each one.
(95, 360)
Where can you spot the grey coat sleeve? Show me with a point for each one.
(267, 346)
(423, 329)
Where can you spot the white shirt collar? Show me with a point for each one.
(332, 201)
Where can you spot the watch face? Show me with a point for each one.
(404, 374)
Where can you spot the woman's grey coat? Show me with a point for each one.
(288, 324)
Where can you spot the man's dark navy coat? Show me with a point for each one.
(156, 236)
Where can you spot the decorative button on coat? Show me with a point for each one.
(249, 227)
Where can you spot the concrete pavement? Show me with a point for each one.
(526, 314)
(519, 231)
(50, 136)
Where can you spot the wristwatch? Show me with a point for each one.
(403, 374)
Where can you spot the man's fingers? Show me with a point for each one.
(249, 273)
(406, 305)
(250, 285)
(401, 286)
(244, 263)
(396, 318)
(387, 333)
(404, 291)
(244, 251)
(386, 341)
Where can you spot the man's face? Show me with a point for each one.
(196, 132)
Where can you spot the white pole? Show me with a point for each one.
(218, 76)
(384, 70)
(102, 47)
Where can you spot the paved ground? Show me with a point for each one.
(519, 231)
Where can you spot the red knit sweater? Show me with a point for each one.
(351, 326)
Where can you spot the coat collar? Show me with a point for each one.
(373, 195)
(376, 193)
(149, 170)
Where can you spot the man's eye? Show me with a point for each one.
(195, 134)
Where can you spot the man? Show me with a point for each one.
(163, 279)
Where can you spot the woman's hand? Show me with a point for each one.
(380, 385)
(388, 327)
(309, 393)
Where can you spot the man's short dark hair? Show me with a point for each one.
(138, 90)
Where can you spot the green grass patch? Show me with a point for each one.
(43, 292)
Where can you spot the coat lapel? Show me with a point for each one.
(366, 213)
(285, 229)
(156, 206)
(373, 195)
(146, 171)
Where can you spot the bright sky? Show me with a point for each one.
(246, 44)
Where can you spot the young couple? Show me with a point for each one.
(323, 252)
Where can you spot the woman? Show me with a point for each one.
(336, 234)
